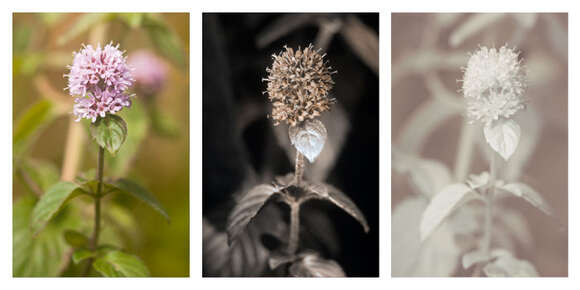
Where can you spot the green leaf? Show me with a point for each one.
(137, 191)
(119, 264)
(27, 63)
(81, 255)
(164, 124)
(132, 20)
(92, 187)
(75, 239)
(109, 132)
(105, 268)
(44, 254)
(51, 202)
(21, 38)
(164, 39)
(30, 122)
(83, 24)
(138, 125)
(42, 172)
(442, 204)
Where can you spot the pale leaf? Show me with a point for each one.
(503, 136)
(473, 258)
(442, 205)
(509, 266)
(528, 194)
(308, 138)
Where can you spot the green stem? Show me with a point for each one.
(94, 242)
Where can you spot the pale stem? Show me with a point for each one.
(488, 222)
(294, 227)
(299, 168)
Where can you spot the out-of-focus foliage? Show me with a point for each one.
(428, 130)
(44, 140)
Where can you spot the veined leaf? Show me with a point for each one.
(42, 255)
(509, 266)
(442, 205)
(312, 265)
(503, 136)
(473, 258)
(246, 209)
(119, 264)
(308, 137)
(109, 132)
(526, 192)
(328, 192)
(51, 202)
(137, 191)
(138, 125)
(30, 122)
(81, 255)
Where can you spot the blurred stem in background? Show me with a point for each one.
(464, 151)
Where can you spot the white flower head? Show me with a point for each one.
(494, 84)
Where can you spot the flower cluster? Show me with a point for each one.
(150, 72)
(98, 79)
(494, 84)
(298, 85)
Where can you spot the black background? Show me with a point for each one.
(233, 69)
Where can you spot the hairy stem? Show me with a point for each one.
(94, 242)
(299, 169)
(294, 227)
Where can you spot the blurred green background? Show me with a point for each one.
(159, 158)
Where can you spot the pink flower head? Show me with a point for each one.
(98, 79)
(150, 71)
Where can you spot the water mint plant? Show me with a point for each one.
(494, 88)
(298, 86)
(99, 79)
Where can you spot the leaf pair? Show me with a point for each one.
(454, 195)
(62, 192)
(308, 264)
(112, 262)
(248, 206)
(500, 263)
